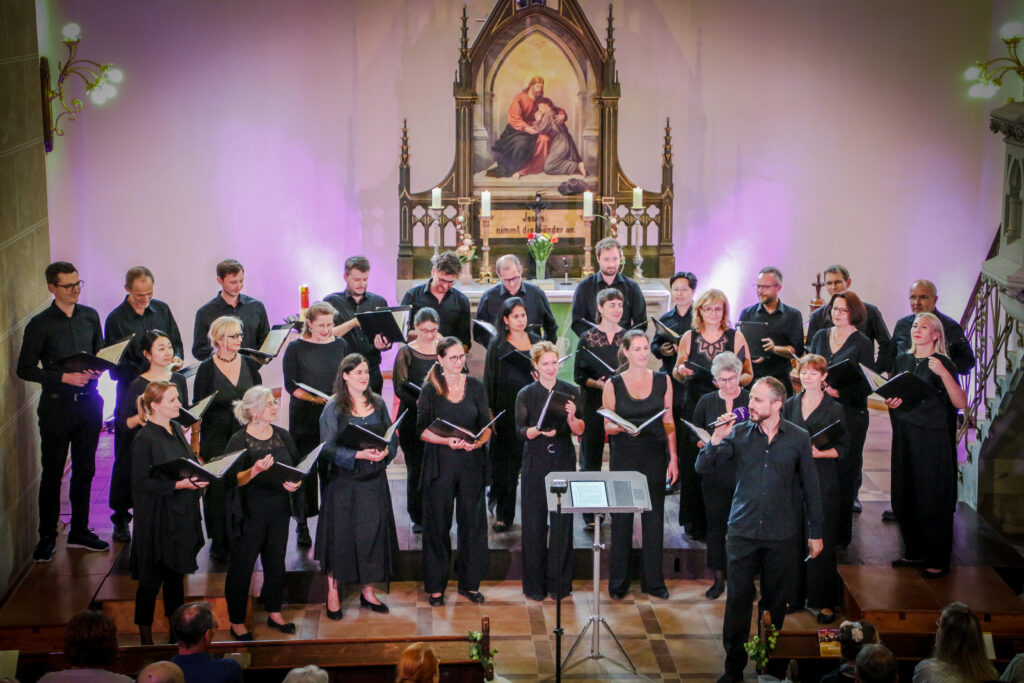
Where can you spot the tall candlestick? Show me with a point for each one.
(485, 204)
(638, 198)
(304, 297)
(588, 204)
(435, 198)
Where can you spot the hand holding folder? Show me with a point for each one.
(106, 358)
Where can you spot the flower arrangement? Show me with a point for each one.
(540, 245)
(466, 251)
(761, 650)
(477, 653)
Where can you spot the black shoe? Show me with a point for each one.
(44, 550)
(87, 540)
(302, 538)
(287, 627)
(730, 678)
(716, 590)
(334, 615)
(417, 528)
(500, 527)
(121, 532)
(857, 507)
(933, 573)
(617, 595)
(475, 597)
(904, 562)
(536, 597)
(888, 516)
(240, 637)
(378, 607)
(219, 554)
(436, 601)
(659, 593)
(824, 618)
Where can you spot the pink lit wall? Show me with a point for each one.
(805, 132)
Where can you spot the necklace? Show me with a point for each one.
(227, 360)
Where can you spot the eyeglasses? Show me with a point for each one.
(236, 336)
(446, 283)
(73, 286)
(844, 311)
(727, 380)
(427, 330)
(456, 359)
(764, 287)
(712, 309)
(510, 280)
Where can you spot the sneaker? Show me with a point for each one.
(121, 532)
(44, 550)
(87, 540)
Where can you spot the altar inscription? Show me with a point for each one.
(517, 224)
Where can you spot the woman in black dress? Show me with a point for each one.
(157, 350)
(264, 507)
(168, 532)
(710, 336)
(356, 541)
(666, 347)
(923, 454)
(591, 374)
(717, 486)
(313, 360)
(454, 473)
(814, 411)
(546, 572)
(412, 362)
(230, 374)
(503, 380)
(842, 342)
(651, 452)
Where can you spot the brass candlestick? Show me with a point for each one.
(486, 276)
(588, 248)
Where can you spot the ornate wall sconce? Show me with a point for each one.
(988, 76)
(100, 85)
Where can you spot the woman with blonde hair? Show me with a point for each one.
(959, 650)
(710, 336)
(261, 530)
(418, 664)
(923, 456)
(230, 374)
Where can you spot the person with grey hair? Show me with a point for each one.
(439, 293)
(260, 510)
(306, 674)
(876, 664)
(775, 475)
(511, 283)
(194, 626)
(785, 336)
(717, 486)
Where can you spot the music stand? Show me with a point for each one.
(600, 493)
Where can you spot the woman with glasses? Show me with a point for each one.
(356, 541)
(710, 336)
(261, 528)
(717, 486)
(230, 374)
(454, 474)
(503, 379)
(844, 342)
(412, 362)
(312, 360)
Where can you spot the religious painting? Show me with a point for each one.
(536, 123)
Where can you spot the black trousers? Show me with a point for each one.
(67, 421)
(924, 491)
(547, 564)
(412, 449)
(692, 510)
(650, 458)
(459, 488)
(776, 561)
(266, 537)
(856, 421)
(215, 516)
(822, 575)
(120, 498)
(145, 597)
(506, 453)
(717, 505)
(306, 501)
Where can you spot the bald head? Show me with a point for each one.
(161, 672)
(923, 296)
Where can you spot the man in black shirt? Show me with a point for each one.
(785, 329)
(439, 293)
(70, 409)
(230, 301)
(538, 310)
(355, 299)
(136, 315)
(923, 297)
(774, 469)
(584, 299)
(837, 281)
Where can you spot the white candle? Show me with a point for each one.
(435, 198)
(638, 198)
(588, 204)
(485, 204)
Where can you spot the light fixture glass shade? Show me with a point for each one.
(971, 74)
(72, 31)
(1011, 30)
(115, 75)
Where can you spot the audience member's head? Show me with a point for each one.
(161, 672)
(958, 643)
(876, 664)
(854, 636)
(90, 640)
(418, 664)
(193, 625)
(307, 674)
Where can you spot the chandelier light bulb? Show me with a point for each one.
(971, 74)
(97, 96)
(1011, 30)
(108, 90)
(115, 75)
(72, 31)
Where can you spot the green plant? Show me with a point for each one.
(540, 245)
(476, 650)
(761, 650)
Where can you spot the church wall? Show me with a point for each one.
(24, 253)
(804, 133)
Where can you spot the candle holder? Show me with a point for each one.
(486, 276)
(588, 248)
(435, 218)
(638, 259)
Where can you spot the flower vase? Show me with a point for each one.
(540, 269)
(466, 274)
